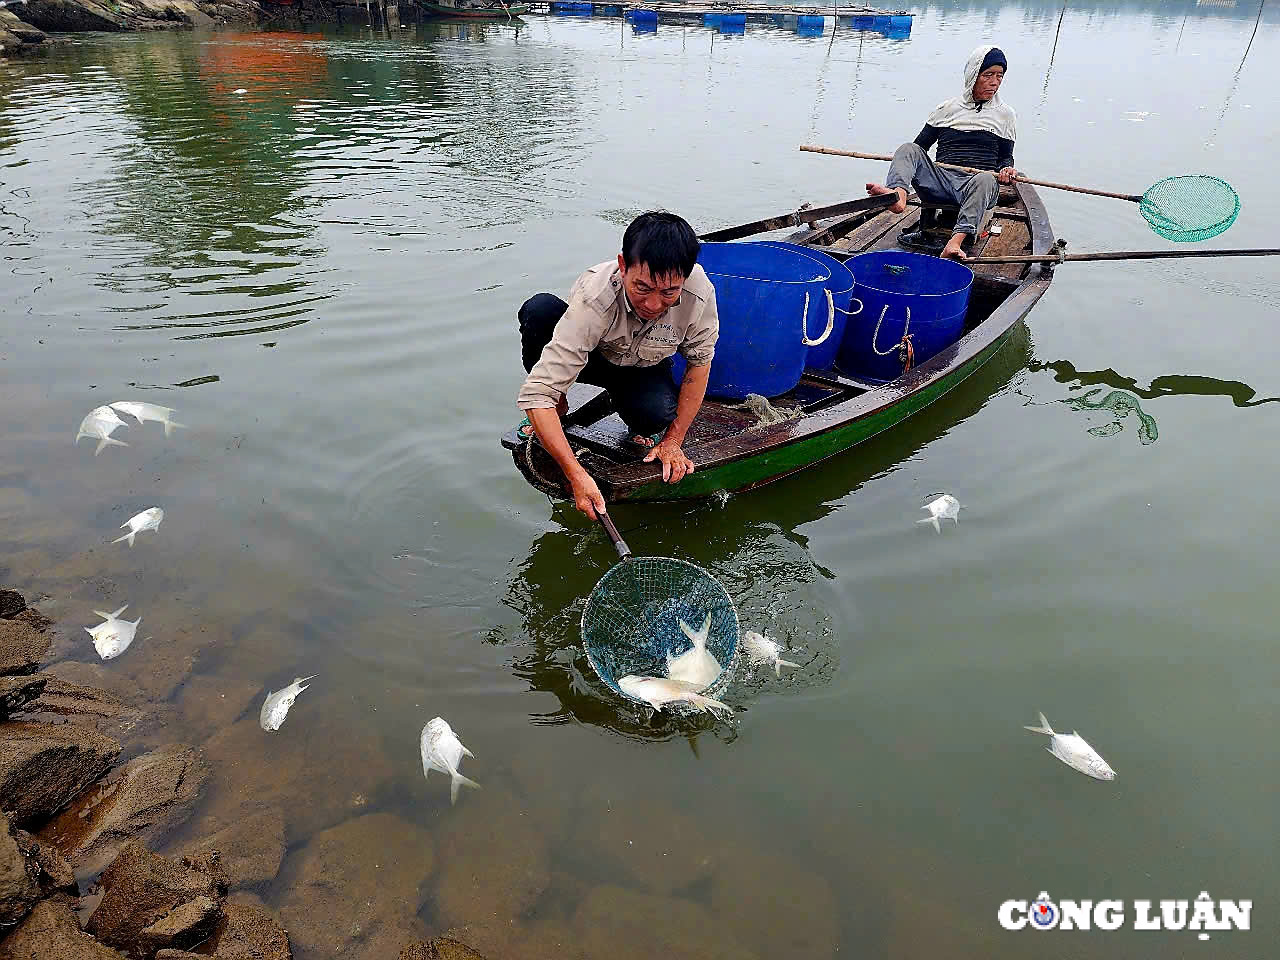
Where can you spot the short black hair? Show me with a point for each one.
(663, 242)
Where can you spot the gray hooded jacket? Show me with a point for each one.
(968, 133)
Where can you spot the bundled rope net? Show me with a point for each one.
(1190, 208)
(632, 620)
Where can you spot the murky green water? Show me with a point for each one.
(321, 274)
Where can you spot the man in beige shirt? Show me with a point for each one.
(623, 323)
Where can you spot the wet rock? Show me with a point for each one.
(494, 862)
(72, 15)
(776, 905)
(511, 940)
(252, 849)
(317, 769)
(626, 925)
(22, 646)
(146, 798)
(212, 702)
(12, 602)
(355, 887)
(53, 873)
(618, 830)
(168, 953)
(148, 897)
(51, 932)
(440, 948)
(64, 698)
(16, 692)
(19, 887)
(250, 933)
(44, 767)
(183, 926)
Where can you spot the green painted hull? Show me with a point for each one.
(473, 13)
(755, 470)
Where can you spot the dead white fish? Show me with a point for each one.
(142, 412)
(276, 707)
(112, 637)
(697, 665)
(760, 649)
(99, 424)
(148, 519)
(946, 507)
(660, 692)
(1072, 750)
(443, 751)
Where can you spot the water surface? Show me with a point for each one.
(321, 273)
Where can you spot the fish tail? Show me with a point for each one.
(467, 753)
(459, 781)
(780, 663)
(701, 640)
(705, 703)
(112, 616)
(933, 520)
(107, 441)
(169, 426)
(1043, 728)
(127, 536)
(688, 631)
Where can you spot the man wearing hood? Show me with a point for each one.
(976, 129)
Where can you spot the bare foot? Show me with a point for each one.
(954, 249)
(879, 190)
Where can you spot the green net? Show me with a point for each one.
(1190, 207)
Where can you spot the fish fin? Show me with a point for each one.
(701, 640)
(169, 426)
(89, 631)
(709, 704)
(127, 536)
(108, 441)
(1043, 728)
(305, 679)
(780, 663)
(467, 753)
(458, 781)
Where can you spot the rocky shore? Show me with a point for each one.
(79, 875)
(25, 24)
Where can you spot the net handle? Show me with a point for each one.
(1131, 197)
(624, 552)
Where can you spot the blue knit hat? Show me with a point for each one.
(994, 58)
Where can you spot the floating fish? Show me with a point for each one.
(112, 637)
(1072, 750)
(99, 424)
(660, 692)
(696, 665)
(276, 707)
(148, 519)
(760, 649)
(142, 412)
(946, 507)
(240, 90)
(443, 751)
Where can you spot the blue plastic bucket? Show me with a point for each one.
(761, 294)
(861, 22)
(889, 283)
(572, 7)
(643, 16)
(808, 25)
(822, 358)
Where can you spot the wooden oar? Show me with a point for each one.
(797, 217)
(1132, 197)
(1128, 255)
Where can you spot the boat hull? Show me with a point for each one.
(487, 13)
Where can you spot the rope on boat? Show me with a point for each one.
(906, 351)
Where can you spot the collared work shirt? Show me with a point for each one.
(600, 317)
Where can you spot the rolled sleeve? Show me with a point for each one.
(563, 358)
(699, 346)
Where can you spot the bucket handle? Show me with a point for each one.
(804, 321)
(875, 337)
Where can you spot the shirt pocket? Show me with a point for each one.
(650, 353)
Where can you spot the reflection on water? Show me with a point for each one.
(1167, 385)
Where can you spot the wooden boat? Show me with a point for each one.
(731, 452)
(473, 9)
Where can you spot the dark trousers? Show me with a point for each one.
(645, 397)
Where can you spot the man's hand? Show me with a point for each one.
(587, 496)
(675, 465)
(1007, 175)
